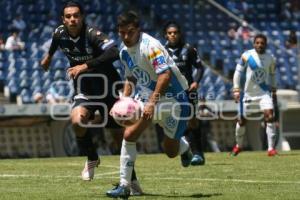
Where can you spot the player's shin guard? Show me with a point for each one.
(271, 135)
(86, 146)
(127, 159)
(239, 134)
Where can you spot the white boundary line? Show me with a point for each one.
(152, 178)
(49, 176)
(228, 180)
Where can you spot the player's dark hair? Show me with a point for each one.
(129, 17)
(172, 24)
(262, 36)
(72, 4)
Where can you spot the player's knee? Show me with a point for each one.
(78, 120)
(171, 153)
(171, 148)
(78, 126)
(129, 135)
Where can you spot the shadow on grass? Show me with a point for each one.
(199, 195)
(196, 196)
(288, 154)
(221, 164)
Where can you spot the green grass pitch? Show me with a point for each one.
(251, 175)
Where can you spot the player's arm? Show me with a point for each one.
(128, 86)
(239, 70)
(130, 81)
(158, 62)
(197, 64)
(163, 81)
(106, 49)
(46, 60)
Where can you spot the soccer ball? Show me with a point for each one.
(126, 111)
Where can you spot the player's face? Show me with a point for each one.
(260, 45)
(172, 35)
(73, 20)
(129, 34)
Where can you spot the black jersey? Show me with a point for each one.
(186, 57)
(93, 48)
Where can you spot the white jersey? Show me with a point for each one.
(145, 61)
(255, 73)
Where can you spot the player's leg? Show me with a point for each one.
(240, 129)
(173, 147)
(80, 116)
(175, 124)
(117, 133)
(194, 136)
(266, 104)
(127, 158)
(270, 131)
(160, 136)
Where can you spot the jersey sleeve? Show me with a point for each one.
(242, 63)
(157, 57)
(104, 47)
(196, 63)
(239, 71)
(55, 41)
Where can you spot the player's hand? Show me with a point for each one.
(194, 86)
(148, 111)
(45, 62)
(74, 72)
(236, 95)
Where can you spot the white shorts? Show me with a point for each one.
(255, 104)
(172, 115)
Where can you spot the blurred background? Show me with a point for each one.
(220, 30)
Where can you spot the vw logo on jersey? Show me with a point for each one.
(171, 122)
(142, 76)
(259, 76)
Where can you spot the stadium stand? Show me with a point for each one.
(205, 26)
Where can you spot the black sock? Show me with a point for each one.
(86, 146)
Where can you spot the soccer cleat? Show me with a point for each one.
(272, 152)
(235, 151)
(87, 173)
(186, 158)
(135, 188)
(119, 191)
(197, 160)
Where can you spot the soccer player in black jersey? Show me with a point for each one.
(187, 59)
(91, 55)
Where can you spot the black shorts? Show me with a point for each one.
(102, 105)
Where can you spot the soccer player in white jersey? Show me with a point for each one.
(254, 83)
(160, 86)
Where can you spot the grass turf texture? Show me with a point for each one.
(251, 175)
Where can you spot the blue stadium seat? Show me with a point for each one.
(26, 96)
(25, 83)
(59, 75)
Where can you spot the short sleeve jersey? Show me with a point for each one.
(146, 60)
